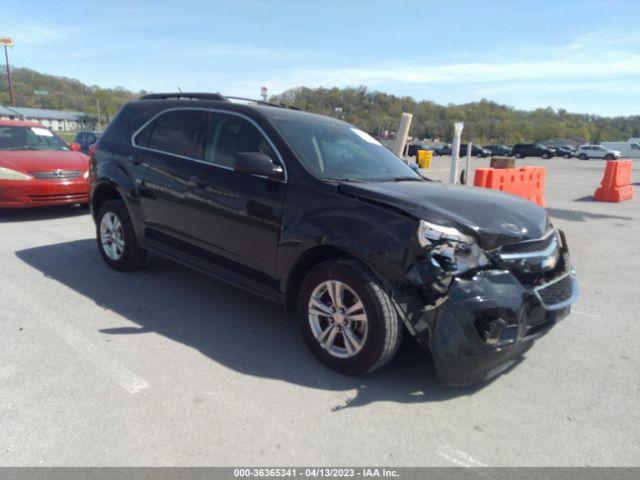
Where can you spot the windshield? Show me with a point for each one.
(334, 150)
(29, 138)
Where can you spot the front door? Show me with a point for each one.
(235, 216)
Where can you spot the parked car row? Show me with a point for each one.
(522, 150)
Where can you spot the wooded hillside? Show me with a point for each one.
(63, 93)
(485, 121)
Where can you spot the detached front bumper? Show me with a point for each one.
(34, 193)
(490, 319)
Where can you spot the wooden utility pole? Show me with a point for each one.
(8, 42)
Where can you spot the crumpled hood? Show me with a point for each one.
(494, 218)
(43, 160)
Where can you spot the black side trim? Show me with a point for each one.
(215, 265)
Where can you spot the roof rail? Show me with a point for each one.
(185, 95)
(262, 102)
(208, 96)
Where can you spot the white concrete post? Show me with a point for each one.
(467, 168)
(455, 151)
(402, 134)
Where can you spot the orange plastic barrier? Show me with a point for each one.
(527, 182)
(616, 184)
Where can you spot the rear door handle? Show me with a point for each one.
(134, 159)
(198, 181)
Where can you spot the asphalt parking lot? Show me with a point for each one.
(168, 367)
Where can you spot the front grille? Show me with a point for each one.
(56, 174)
(556, 293)
(530, 246)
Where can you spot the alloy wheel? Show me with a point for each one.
(338, 319)
(112, 236)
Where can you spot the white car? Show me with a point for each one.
(586, 152)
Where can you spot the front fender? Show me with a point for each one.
(378, 237)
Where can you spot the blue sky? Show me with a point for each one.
(581, 55)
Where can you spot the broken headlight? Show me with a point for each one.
(428, 232)
(450, 249)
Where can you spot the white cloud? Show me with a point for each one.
(596, 64)
(32, 34)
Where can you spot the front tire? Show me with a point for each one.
(347, 319)
(608, 156)
(116, 238)
(583, 156)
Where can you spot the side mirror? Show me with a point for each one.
(257, 163)
(76, 147)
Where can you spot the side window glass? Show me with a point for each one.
(176, 132)
(228, 135)
(142, 139)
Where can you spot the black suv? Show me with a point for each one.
(499, 150)
(522, 150)
(314, 213)
(442, 150)
(476, 151)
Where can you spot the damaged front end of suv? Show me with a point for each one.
(483, 273)
(477, 310)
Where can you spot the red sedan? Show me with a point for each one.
(38, 168)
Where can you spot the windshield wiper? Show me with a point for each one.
(404, 179)
(355, 180)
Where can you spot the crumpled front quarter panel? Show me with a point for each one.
(379, 237)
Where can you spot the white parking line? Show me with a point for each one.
(76, 340)
(586, 314)
(458, 457)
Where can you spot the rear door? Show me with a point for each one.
(236, 217)
(599, 152)
(167, 148)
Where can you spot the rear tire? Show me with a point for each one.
(332, 332)
(116, 238)
(518, 155)
(583, 156)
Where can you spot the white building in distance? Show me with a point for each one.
(57, 120)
